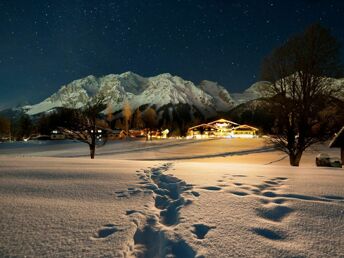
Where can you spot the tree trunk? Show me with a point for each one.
(294, 158)
(92, 150)
(93, 141)
(127, 128)
(342, 154)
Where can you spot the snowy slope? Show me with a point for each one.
(255, 91)
(159, 90)
(166, 89)
(73, 95)
(223, 101)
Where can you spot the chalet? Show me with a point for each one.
(244, 131)
(338, 142)
(202, 131)
(221, 128)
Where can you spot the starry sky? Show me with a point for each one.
(45, 44)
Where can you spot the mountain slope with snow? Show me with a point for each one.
(220, 94)
(255, 91)
(160, 90)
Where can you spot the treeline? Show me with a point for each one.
(25, 126)
(16, 129)
(177, 119)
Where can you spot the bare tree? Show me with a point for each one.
(88, 127)
(300, 88)
(150, 120)
(126, 115)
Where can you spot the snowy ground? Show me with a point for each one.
(175, 198)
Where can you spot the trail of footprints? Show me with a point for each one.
(273, 209)
(155, 235)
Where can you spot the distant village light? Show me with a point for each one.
(222, 128)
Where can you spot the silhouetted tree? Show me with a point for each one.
(299, 73)
(43, 124)
(24, 127)
(62, 117)
(87, 125)
(138, 122)
(126, 115)
(150, 120)
(5, 128)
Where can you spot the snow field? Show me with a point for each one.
(216, 198)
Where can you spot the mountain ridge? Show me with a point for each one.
(159, 90)
(162, 90)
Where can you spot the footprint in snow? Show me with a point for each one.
(333, 197)
(239, 193)
(200, 230)
(196, 194)
(269, 234)
(106, 231)
(280, 178)
(276, 213)
(211, 188)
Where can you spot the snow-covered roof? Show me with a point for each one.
(222, 121)
(245, 127)
(203, 125)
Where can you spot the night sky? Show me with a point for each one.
(45, 44)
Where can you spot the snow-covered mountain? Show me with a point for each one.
(221, 96)
(161, 90)
(255, 91)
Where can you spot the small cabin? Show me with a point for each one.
(223, 127)
(244, 131)
(202, 131)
